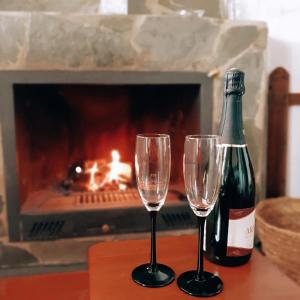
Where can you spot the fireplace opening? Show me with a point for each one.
(75, 148)
(77, 141)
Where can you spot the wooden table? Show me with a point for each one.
(110, 266)
(56, 286)
(109, 276)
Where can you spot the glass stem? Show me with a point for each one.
(153, 263)
(201, 222)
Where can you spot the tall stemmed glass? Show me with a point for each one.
(152, 167)
(202, 163)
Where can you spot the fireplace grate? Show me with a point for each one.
(110, 198)
(54, 202)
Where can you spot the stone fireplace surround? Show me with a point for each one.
(143, 43)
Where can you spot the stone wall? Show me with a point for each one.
(72, 42)
(212, 8)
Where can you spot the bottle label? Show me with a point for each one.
(240, 231)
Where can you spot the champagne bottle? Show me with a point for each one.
(230, 226)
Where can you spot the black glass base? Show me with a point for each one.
(161, 276)
(209, 285)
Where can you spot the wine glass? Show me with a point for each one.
(152, 167)
(202, 164)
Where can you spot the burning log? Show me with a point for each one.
(115, 175)
(99, 175)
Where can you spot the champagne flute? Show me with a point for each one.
(152, 167)
(202, 163)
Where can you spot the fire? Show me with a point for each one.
(114, 173)
(93, 186)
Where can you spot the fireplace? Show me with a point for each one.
(71, 171)
(116, 51)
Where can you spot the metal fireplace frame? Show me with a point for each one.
(7, 119)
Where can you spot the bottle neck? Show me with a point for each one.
(231, 128)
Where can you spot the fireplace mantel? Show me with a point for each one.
(54, 41)
(156, 44)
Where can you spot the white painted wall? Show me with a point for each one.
(283, 20)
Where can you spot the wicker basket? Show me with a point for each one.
(278, 227)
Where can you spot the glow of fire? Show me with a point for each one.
(119, 173)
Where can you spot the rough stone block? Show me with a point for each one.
(12, 256)
(234, 40)
(13, 28)
(77, 42)
(174, 42)
(212, 8)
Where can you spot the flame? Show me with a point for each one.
(93, 186)
(119, 173)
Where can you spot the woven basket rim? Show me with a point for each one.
(267, 202)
